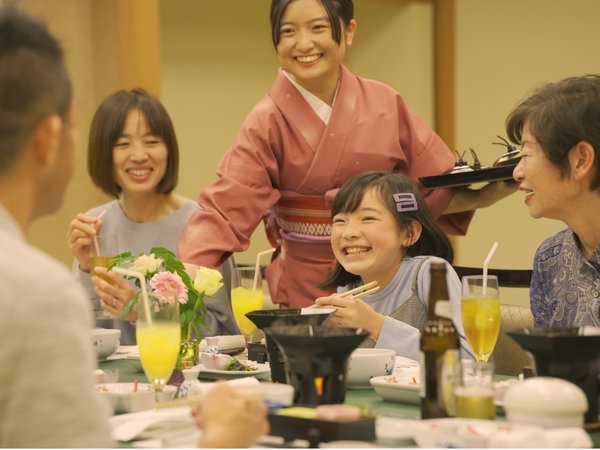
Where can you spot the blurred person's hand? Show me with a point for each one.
(229, 420)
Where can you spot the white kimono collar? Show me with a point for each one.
(321, 109)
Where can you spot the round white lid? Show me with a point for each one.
(546, 395)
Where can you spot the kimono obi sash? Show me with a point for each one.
(304, 218)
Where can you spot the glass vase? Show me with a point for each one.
(188, 354)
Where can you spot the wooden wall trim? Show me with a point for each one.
(139, 49)
(444, 53)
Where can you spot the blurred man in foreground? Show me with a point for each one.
(47, 396)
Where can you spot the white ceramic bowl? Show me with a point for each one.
(365, 363)
(546, 401)
(123, 399)
(105, 341)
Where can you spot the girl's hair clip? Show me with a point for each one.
(405, 201)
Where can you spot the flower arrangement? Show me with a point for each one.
(168, 282)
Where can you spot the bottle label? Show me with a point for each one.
(449, 379)
(422, 365)
(443, 309)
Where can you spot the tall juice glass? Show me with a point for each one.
(246, 296)
(158, 341)
(481, 314)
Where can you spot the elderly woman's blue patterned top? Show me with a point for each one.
(565, 287)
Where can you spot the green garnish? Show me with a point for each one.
(234, 364)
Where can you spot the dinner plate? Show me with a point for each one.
(262, 372)
(466, 178)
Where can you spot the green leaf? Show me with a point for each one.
(128, 308)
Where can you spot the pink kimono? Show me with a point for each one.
(287, 165)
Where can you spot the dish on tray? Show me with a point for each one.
(262, 372)
(466, 178)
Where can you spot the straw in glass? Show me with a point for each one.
(257, 267)
(486, 263)
(96, 245)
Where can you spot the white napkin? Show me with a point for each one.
(125, 352)
(126, 427)
(544, 438)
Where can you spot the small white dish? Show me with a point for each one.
(397, 388)
(366, 363)
(123, 398)
(262, 372)
(105, 341)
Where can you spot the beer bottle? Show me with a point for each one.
(440, 350)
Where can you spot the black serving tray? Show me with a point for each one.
(317, 430)
(460, 179)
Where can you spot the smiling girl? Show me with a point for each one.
(382, 231)
(133, 156)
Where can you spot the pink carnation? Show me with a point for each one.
(168, 288)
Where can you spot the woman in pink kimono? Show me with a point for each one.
(318, 126)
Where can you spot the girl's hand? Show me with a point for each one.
(80, 235)
(114, 295)
(354, 313)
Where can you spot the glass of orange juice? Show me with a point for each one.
(158, 336)
(246, 296)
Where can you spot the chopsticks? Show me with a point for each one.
(361, 291)
(357, 292)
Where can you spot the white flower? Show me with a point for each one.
(145, 264)
(208, 280)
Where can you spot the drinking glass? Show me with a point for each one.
(246, 296)
(481, 314)
(474, 396)
(158, 335)
(99, 259)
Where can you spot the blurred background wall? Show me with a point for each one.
(211, 61)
